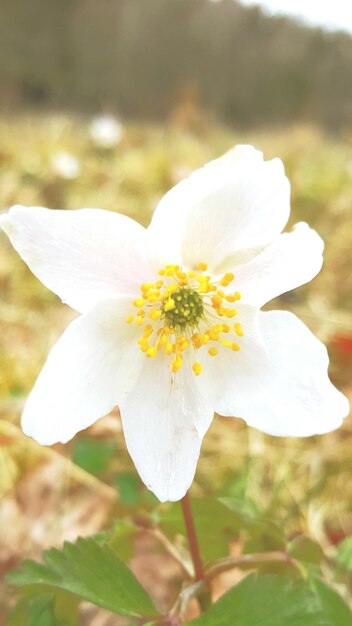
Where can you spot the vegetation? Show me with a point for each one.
(254, 495)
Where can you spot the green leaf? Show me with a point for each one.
(54, 609)
(92, 572)
(305, 549)
(34, 611)
(269, 533)
(273, 601)
(335, 610)
(92, 455)
(128, 486)
(344, 554)
(121, 539)
(215, 525)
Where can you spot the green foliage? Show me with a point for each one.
(305, 549)
(335, 611)
(121, 538)
(128, 486)
(49, 609)
(344, 554)
(274, 601)
(90, 571)
(93, 455)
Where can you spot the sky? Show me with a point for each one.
(331, 14)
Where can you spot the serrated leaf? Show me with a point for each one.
(269, 601)
(35, 611)
(92, 572)
(305, 549)
(334, 608)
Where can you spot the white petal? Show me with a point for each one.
(84, 256)
(89, 371)
(280, 384)
(290, 261)
(222, 212)
(164, 420)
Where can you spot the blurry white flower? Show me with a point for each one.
(66, 166)
(106, 131)
(171, 327)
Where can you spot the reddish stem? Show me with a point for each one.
(192, 538)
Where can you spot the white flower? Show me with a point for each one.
(171, 327)
(106, 131)
(66, 166)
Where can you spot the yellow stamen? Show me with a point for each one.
(177, 363)
(148, 329)
(238, 329)
(144, 344)
(155, 314)
(230, 312)
(197, 368)
(177, 306)
(169, 305)
(227, 279)
(169, 348)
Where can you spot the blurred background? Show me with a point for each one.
(108, 103)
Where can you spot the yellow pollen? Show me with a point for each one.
(238, 329)
(182, 343)
(169, 305)
(169, 348)
(144, 344)
(186, 310)
(155, 314)
(216, 300)
(197, 340)
(177, 363)
(230, 312)
(197, 368)
(227, 279)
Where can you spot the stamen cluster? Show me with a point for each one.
(182, 310)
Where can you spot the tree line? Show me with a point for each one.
(146, 58)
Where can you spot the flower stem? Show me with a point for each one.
(192, 538)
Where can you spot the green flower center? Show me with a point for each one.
(187, 309)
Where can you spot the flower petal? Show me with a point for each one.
(290, 261)
(89, 371)
(223, 212)
(84, 256)
(164, 420)
(280, 384)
